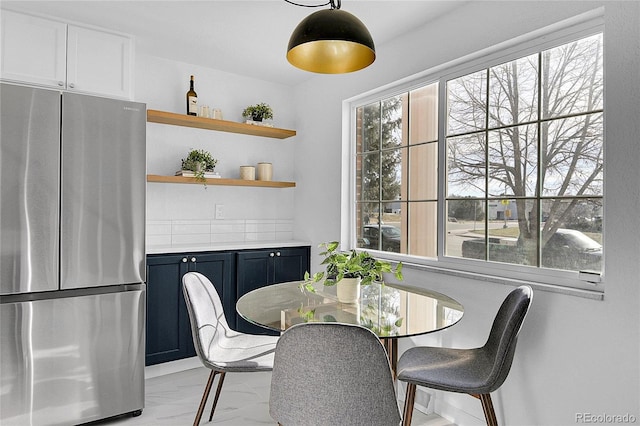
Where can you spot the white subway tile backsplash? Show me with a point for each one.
(181, 232)
(284, 236)
(266, 236)
(191, 227)
(260, 236)
(228, 238)
(284, 226)
(159, 227)
(227, 226)
(181, 239)
(260, 226)
(159, 240)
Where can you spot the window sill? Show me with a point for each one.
(480, 276)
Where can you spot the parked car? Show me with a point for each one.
(390, 237)
(572, 249)
(567, 249)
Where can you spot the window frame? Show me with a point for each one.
(552, 36)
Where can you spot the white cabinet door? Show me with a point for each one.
(98, 62)
(33, 49)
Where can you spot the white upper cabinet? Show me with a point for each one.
(51, 53)
(33, 49)
(98, 62)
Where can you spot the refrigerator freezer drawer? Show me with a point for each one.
(72, 360)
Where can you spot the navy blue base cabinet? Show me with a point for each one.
(259, 268)
(168, 328)
(233, 273)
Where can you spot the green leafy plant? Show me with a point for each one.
(258, 112)
(199, 161)
(350, 264)
(306, 315)
(378, 322)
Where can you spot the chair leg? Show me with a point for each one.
(215, 400)
(205, 396)
(409, 400)
(391, 347)
(487, 407)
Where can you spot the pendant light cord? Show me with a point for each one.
(331, 3)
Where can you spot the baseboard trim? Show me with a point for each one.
(421, 401)
(171, 367)
(457, 415)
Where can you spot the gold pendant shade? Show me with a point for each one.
(331, 42)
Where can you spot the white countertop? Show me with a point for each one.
(224, 246)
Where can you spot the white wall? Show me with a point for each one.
(162, 85)
(575, 355)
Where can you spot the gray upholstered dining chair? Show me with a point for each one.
(477, 371)
(220, 348)
(332, 374)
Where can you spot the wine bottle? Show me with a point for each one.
(192, 100)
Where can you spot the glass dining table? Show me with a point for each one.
(390, 311)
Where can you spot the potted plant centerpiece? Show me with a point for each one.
(199, 162)
(258, 112)
(349, 270)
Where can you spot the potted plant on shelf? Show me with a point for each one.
(349, 270)
(199, 162)
(258, 112)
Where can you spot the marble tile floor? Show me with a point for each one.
(172, 400)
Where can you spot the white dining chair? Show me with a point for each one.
(220, 348)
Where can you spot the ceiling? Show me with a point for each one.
(242, 37)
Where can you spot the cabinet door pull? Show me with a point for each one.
(278, 254)
(61, 83)
(71, 85)
(184, 260)
(271, 254)
(193, 259)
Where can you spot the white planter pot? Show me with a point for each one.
(348, 290)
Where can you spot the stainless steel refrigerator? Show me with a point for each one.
(72, 257)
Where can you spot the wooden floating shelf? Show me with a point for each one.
(220, 181)
(155, 116)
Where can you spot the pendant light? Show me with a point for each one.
(331, 41)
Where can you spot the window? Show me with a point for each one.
(521, 146)
(525, 159)
(397, 173)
